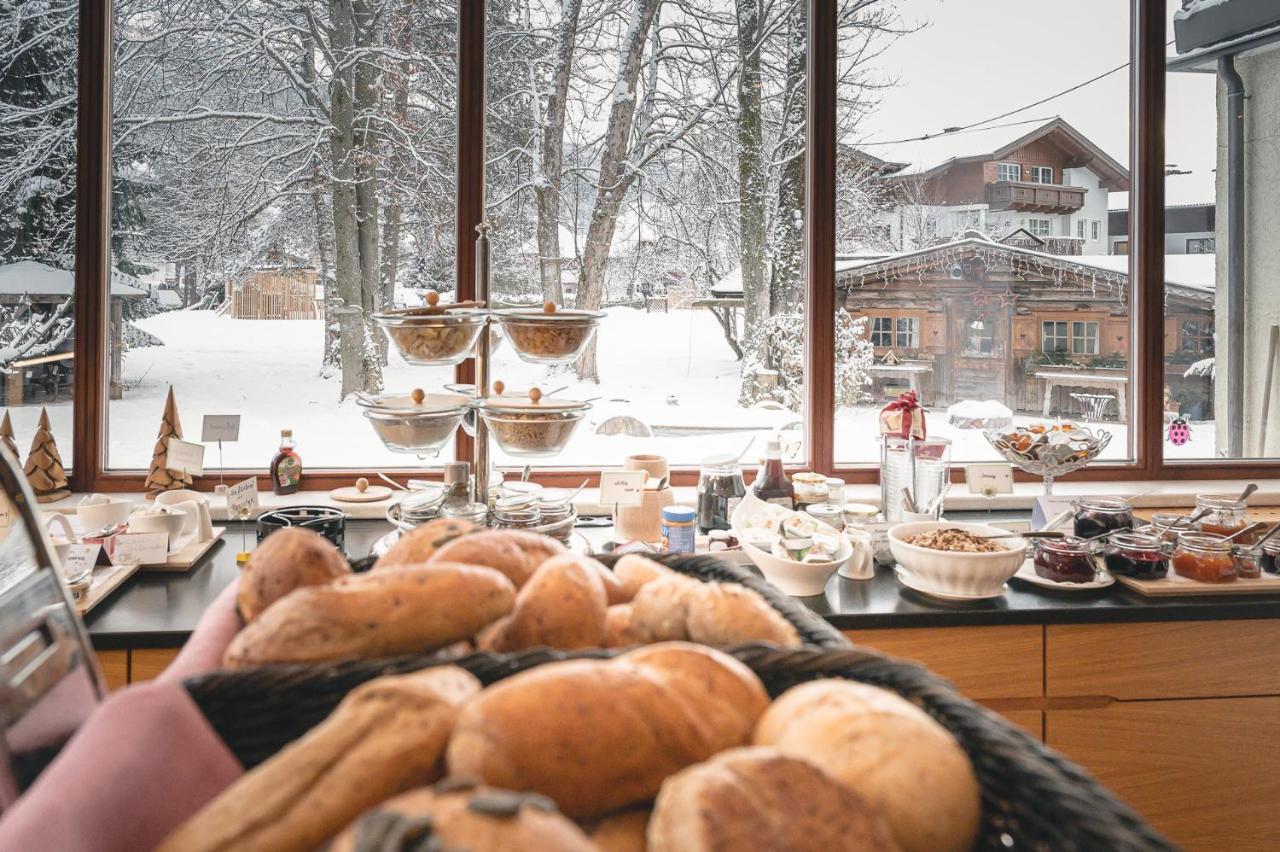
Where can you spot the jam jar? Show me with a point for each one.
(1137, 555)
(1247, 561)
(1225, 516)
(720, 490)
(1271, 555)
(1167, 525)
(1065, 560)
(1204, 558)
(1098, 517)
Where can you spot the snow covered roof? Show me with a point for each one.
(168, 298)
(39, 279)
(730, 286)
(923, 157)
(1195, 271)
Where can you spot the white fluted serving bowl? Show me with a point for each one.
(952, 574)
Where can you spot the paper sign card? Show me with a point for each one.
(622, 487)
(80, 558)
(140, 548)
(242, 498)
(989, 479)
(185, 457)
(220, 427)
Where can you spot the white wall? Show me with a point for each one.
(1094, 210)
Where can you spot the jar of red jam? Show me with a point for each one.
(1271, 555)
(1224, 516)
(1137, 555)
(1204, 558)
(1247, 561)
(1065, 560)
(1097, 517)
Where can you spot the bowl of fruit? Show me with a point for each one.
(1049, 450)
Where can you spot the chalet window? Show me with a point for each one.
(1196, 337)
(882, 332)
(1081, 227)
(1201, 245)
(1097, 229)
(1040, 227)
(1084, 338)
(895, 332)
(908, 333)
(979, 336)
(1042, 174)
(1121, 247)
(1053, 336)
(1008, 171)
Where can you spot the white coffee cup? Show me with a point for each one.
(158, 519)
(198, 525)
(97, 511)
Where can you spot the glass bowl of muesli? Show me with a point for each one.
(956, 560)
(533, 426)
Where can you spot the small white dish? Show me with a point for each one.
(1101, 579)
(905, 579)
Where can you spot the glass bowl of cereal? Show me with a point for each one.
(416, 423)
(548, 335)
(532, 426)
(433, 339)
(954, 560)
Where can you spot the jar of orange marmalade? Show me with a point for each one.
(1224, 516)
(1203, 558)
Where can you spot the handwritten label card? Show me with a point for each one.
(622, 487)
(185, 457)
(140, 548)
(220, 427)
(989, 479)
(80, 558)
(242, 499)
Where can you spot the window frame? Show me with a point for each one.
(1001, 166)
(1147, 37)
(1046, 335)
(1048, 224)
(1085, 337)
(1038, 171)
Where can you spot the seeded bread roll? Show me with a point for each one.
(483, 820)
(562, 606)
(634, 571)
(600, 735)
(677, 608)
(286, 560)
(387, 736)
(516, 553)
(889, 751)
(377, 614)
(419, 544)
(762, 800)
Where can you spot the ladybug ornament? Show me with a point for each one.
(1179, 432)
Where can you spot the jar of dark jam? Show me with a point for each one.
(1097, 517)
(1271, 555)
(1136, 555)
(1204, 558)
(1065, 560)
(720, 490)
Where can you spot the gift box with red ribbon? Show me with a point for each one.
(903, 418)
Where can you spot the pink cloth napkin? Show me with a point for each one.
(144, 762)
(203, 651)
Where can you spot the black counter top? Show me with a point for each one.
(160, 610)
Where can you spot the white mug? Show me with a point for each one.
(198, 525)
(97, 511)
(165, 519)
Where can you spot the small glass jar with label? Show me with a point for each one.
(678, 529)
(810, 488)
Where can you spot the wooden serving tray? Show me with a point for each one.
(187, 557)
(1173, 586)
(106, 579)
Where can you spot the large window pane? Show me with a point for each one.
(647, 159)
(975, 260)
(273, 163)
(38, 102)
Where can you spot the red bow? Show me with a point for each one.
(905, 402)
(902, 424)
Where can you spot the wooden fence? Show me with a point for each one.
(276, 294)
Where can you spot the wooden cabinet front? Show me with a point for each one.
(982, 662)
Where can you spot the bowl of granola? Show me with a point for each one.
(956, 560)
(416, 423)
(434, 339)
(532, 426)
(548, 335)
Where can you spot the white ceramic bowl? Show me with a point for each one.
(956, 574)
(801, 579)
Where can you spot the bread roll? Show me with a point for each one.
(599, 735)
(676, 608)
(622, 832)
(286, 560)
(419, 544)
(482, 820)
(886, 749)
(562, 606)
(516, 553)
(378, 614)
(634, 571)
(387, 736)
(762, 800)
(617, 627)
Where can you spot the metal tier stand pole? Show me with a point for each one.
(480, 469)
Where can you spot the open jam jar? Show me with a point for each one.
(1271, 555)
(1247, 561)
(1065, 560)
(1224, 516)
(1136, 555)
(1204, 558)
(1099, 517)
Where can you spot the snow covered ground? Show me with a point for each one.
(672, 371)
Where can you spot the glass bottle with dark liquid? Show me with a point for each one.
(772, 486)
(286, 467)
(720, 489)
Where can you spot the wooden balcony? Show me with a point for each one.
(1034, 197)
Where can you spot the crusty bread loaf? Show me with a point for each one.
(387, 736)
(621, 832)
(378, 614)
(479, 820)
(562, 606)
(617, 627)
(677, 608)
(886, 749)
(762, 800)
(419, 544)
(634, 571)
(599, 735)
(286, 560)
(516, 553)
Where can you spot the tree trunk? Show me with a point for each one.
(614, 180)
(752, 184)
(551, 165)
(366, 172)
(786, 288)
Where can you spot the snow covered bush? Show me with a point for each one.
(785, 345)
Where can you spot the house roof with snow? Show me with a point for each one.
(730, 286)
(934, 155)
(35, 279)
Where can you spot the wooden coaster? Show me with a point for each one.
(350, 494)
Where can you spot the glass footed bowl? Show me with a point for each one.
(1048, 451)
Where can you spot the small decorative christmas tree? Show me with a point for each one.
(159, 477)
(44, 464)
(6, 437)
